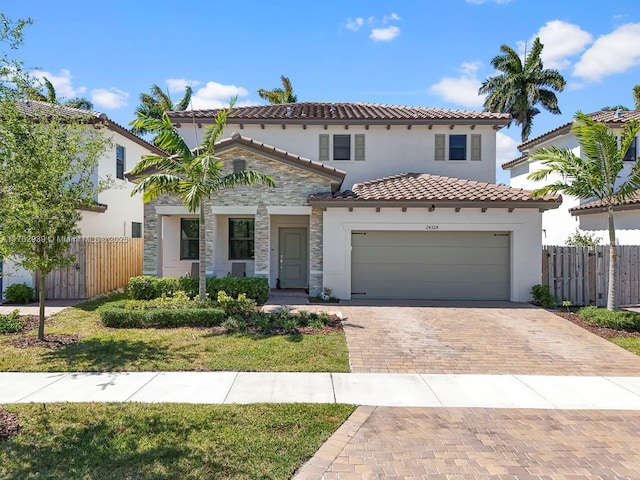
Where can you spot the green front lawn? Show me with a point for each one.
(175, 349)
(165, 441)
(628, 343)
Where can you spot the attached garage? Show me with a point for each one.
(430, 265)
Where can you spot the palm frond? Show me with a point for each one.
(184, 103)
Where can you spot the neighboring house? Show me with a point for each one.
(371, 201)
(585, 215)
(116, 212)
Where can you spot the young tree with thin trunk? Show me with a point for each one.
(596, 174)
(47, 174)
(194, 176)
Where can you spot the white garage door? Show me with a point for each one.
(430, 265)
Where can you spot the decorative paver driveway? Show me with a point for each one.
(476, 337)
(426, 443)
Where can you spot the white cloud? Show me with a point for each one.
(111, 98)
(355, 24)
(388, 18)
(217, 95)
(462, 90)
(613, 53)
(506, 148)
(384, 34)
(178, 85)
(561, 40)
(62, 82)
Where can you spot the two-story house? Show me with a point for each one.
(576, 214)
(116, 213)
(371, 201)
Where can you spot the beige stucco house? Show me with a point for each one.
(371, 201)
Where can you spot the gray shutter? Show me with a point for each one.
(323, 154)
(476, 147)
(439, 152)
(359, 139)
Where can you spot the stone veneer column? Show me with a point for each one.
(211, 229)
(315, 252)
(151, 250)
(262, 241)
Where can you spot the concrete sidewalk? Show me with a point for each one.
(392, 390)
(51, 307)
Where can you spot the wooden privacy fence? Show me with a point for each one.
(103, 264)
(581, 274)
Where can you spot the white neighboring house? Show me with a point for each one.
(585, 215)
(371, 201)
(116, 213)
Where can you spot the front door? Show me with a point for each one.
(293, 257)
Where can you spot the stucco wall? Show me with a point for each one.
(387, 152)
(523, 224)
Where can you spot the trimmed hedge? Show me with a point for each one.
(148, 287)
(117, 315)
(618, 320)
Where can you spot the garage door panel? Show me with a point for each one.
(431, 265)
(429, 255)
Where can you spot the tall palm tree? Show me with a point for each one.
(51, 96)
(520, 87)
(594, 175)
(154, 105)
(279, 95)
(194, 176)
(636, 96)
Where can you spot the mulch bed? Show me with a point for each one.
(603, 332)
(31, 322)
(9, 425)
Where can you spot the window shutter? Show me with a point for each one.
(476, 147)
(323, 154)
(359, 139)
(439, 152)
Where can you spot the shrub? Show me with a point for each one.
(148, 288)
(128, 314)
(19, 293)
(11, 323)
(542, 296)
(240, 306)
(618, 320)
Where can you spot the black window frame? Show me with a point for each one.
(631, 155)
(189, 245)
(239, 244)
(120, 159)
(341, 152)
(458, 152)
(136, 229)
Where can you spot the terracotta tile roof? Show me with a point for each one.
(597, 206)
(32, 107)
(515, 162)
(290, 158)
(326, 112)
(421, 188)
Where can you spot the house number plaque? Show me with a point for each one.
(431, 227)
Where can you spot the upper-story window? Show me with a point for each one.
(631, 154)
(341, 147)
(120, 162)
(458, 149)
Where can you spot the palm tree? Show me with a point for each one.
(194, 176)
(154, 105)
(520, 87)
(51, 96)
(279, 95)
(595, 174)
(636, 96)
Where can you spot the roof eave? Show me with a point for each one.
(576, 212)
(352, 202)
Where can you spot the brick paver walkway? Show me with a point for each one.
(452, 444)
(477, 337)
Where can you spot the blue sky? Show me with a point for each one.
(414, 52)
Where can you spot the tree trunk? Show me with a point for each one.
(612, 295)
(202, 267)
(41, 294)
